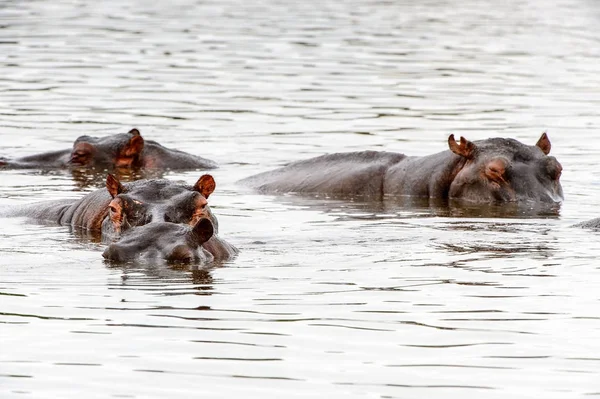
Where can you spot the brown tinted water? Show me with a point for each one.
(327, 298)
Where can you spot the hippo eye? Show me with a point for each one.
(495, 170)
(113, 209)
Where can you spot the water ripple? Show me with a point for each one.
(340, 296)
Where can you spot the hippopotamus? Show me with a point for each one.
(174, 243)
(494, 170)
(113, 211)
(124, 150)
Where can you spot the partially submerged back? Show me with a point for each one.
(340, 174)
(123, 150)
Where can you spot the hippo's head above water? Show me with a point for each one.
(170, 242)
(505, 170)
(120, 150)
(149, 201)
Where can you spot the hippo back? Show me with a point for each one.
(340, 174)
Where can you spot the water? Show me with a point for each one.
(327, 298)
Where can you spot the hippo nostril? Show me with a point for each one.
(557, 172)
(111, 253)
(117, 253)
(557, 175)
(181, 253)
(551, 168)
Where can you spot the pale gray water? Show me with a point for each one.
(327, 298)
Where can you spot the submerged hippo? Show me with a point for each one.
(122, 207)
(495, 170)
(171, 242)
(125, 150)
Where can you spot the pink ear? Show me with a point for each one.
(205, 185)
(114, 186)
(465, 149)
(134, 132)
(544, 144)
(133, 147)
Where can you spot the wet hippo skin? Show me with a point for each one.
(494, 170)
(118, 208)
(170, 242)
(125, 150)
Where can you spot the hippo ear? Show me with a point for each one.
(202, 231)
(205, 185)
(134, 146)
(544, 144)
(134, 132)
(114, 186)
(465, 148)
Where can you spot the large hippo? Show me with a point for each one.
(124, 150)
(118, 208)
(495, 170)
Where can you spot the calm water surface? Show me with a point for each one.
(327, 298)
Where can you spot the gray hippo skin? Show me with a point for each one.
(495, 170)
(125, 150)
(593, 224)
(171, 242)
(120, 207)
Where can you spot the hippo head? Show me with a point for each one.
(150, 201)
(505, 170)
(170, 242)
(119, 150)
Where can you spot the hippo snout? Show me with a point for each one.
(181, 254)
(113, 253)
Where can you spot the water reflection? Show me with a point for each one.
(86, 178)
(360, 208)
(398, 298)
(149, 274)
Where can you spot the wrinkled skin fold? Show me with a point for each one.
(495, 170)
(125, 150)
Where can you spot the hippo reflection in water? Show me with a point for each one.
(495, 170)
(119, 208)
(125, 150)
